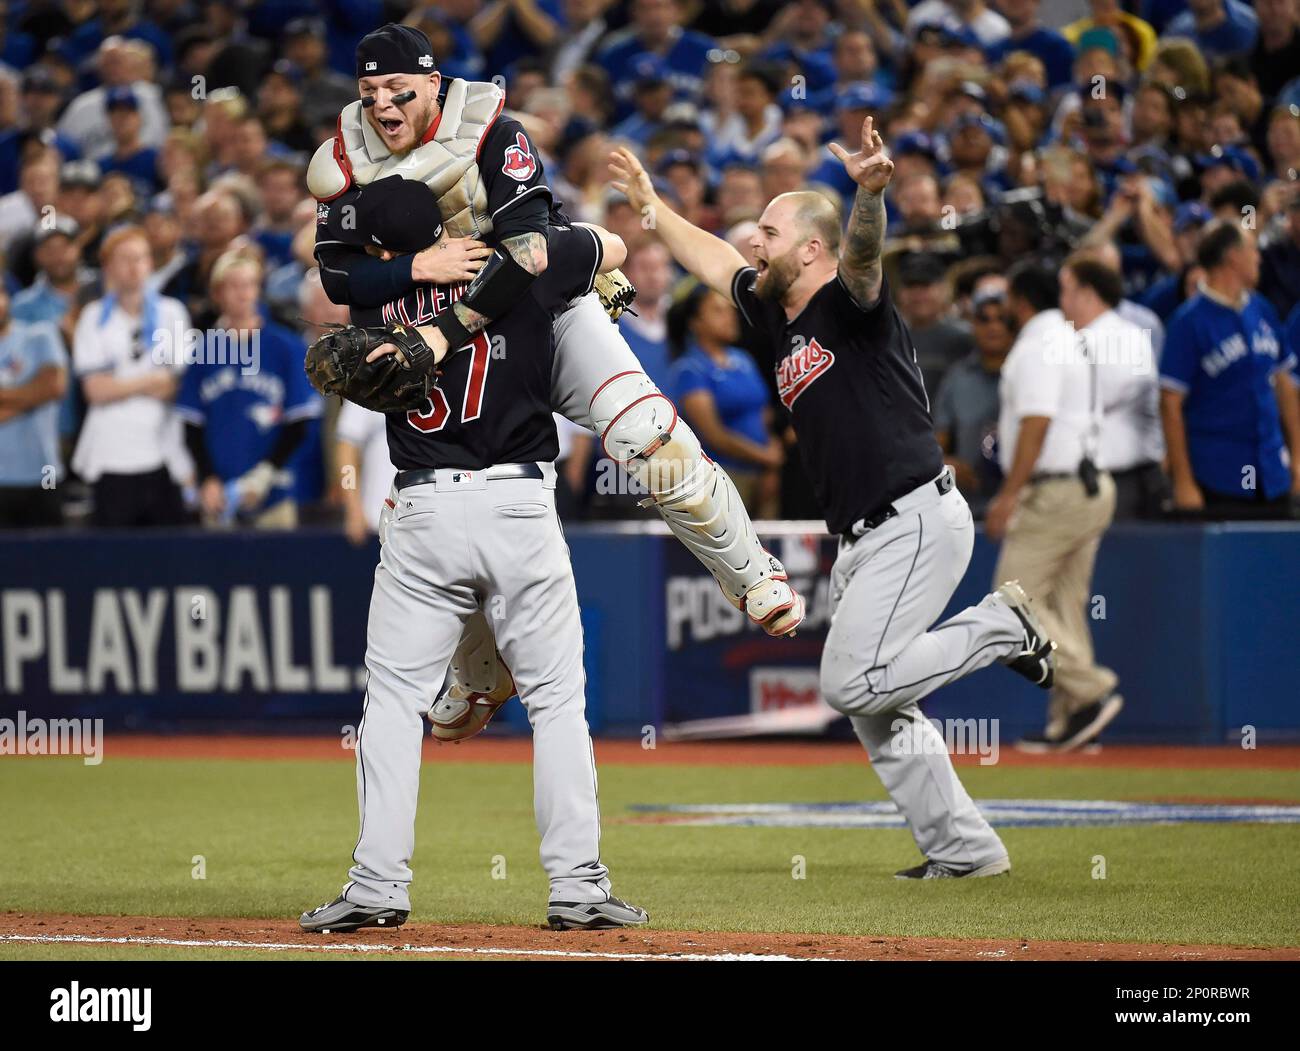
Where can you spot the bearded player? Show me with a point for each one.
(818, 305)
(488, 182)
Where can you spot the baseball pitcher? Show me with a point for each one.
(470, 524)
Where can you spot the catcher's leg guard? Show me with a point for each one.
(479, 683)
(640, 429)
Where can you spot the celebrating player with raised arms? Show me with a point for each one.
(819, 306)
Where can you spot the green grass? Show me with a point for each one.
(276, 838)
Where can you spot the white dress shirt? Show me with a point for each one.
(1046, 375)
(1128, 384)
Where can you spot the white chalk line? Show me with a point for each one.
(462, 950)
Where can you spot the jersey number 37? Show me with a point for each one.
(435, 417)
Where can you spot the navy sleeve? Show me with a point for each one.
(352, 277)
(575, 256)
(517, 194)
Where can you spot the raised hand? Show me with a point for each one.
(630, 178)
(868, 167)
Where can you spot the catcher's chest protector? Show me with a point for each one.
(448, 163)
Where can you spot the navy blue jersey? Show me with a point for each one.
(492, 403)
(850, 381)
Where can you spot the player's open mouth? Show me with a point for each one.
(760, 265)
(391, 127)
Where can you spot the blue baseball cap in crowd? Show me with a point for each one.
(915, 143)
(122, 96)
(1189, 214)
(1233, 157)
(675, 157)
(291, 71)
(994, 128)
(791, 103)
(862, 94)
(1025, 91)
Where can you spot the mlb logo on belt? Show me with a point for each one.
(462, 476)
(520, 164)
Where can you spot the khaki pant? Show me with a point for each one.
(1051, 547)
(283, 515)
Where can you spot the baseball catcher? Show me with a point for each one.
(451, 138)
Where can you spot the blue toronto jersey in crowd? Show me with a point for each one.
(30, 440)
(1223, 360)
(682, 65)
(140, 167)
(1048, 46)
(738, 392)
(1292, 332)
(243, 407)
(1235, 35)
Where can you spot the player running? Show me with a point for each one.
(487, 180)
(819, 306)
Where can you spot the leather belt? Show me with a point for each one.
(429, 475)
(944, 484)
(1051, 476)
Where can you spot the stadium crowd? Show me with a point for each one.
(1132, 165)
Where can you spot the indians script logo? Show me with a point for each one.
(800, 369)
(520, 164)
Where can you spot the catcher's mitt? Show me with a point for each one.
(336, 364)
(616, 293)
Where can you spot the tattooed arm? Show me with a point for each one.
(860, 268)
(529, 251)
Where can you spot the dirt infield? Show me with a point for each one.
(135, 934)
(494, 749)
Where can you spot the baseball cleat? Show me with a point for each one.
(340, 916)
(1034, 661)
(594, 915)
(937, 870)
(773, 604)
(460, 713)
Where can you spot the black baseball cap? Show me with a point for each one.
(398, 214)
(920, 268)
(394, 49)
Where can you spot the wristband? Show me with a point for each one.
(453, 329)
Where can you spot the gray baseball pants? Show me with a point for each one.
(463, 543)
(887, 589)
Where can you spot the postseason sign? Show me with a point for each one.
(719, 665)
